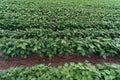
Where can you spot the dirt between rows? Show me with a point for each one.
(34, 59)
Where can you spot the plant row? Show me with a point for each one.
(70, 71)
(61, 26)
(69, 34)
(50, 47)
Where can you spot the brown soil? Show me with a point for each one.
(55, 61)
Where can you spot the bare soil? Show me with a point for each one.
(34, 59)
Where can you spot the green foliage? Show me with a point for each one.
(64, 34)
(53, 27)
(59, 15)
(51, 47)
(70, 71)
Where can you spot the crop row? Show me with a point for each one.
(61, 26)
(70, 71)
(68, 34)
(50, 47)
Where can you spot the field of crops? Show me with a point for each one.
(59, 27)
(50, 27)
(67, 72)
